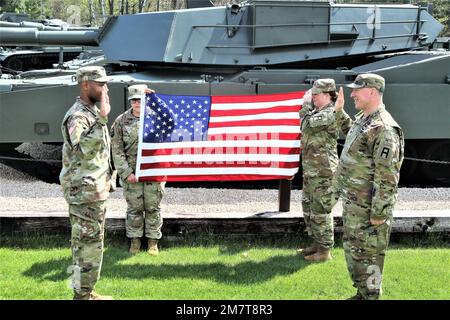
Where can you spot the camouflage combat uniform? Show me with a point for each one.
(319, 161)
(366, 180)
(143, 198)
(86, 181)
(320, 131)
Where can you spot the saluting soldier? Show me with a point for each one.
(366, 180)
(143, 198)
(320, 130)
(86, 178)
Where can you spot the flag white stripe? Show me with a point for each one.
(255, 105)
(210, 158)
(217, 171)
(223, 143)
(286, 115)
(255, 129)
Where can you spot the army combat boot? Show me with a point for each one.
(322, 254)
(135, 245)
(309, 250)
(81, 295)
(90, 296)
(357, 296)
(153, 247)
(95, 296)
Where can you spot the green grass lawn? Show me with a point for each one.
(34, 267)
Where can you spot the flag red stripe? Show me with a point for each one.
(234, 164)
(250, 123)
(254, 136)
(241, 112)
(219, 150)
(257, 98)
(222, 177)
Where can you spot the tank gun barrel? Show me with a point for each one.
(34, 37)
(41, 26)
(27, 24)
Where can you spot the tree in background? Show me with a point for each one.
(441, 12)
(36, 9)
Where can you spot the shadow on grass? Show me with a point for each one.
(247, 272)
(244, 272)
(51, 270)
(239, 273)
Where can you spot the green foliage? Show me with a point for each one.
(36, 9)
(441, 11)
(10, 5)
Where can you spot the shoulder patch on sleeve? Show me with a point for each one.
(388, 147)
(322, 119)
(76, 126)
(385, 152)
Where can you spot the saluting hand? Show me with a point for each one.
(105, 107)
(148, 90)
(132, 178)
(307, 97)
(339, 104)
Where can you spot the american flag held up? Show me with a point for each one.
(206, 138)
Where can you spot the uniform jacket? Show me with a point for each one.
(369, 167)
(124, 141)
(86, 173)
(320, 131)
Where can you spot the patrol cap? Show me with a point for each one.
(92, 73)
(136, 91)
(368, 80)
(323, 85)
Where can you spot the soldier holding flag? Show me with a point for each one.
(143, 198)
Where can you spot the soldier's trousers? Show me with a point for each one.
(88, 225)
(365, 247)
(143, 211)
(317, 202)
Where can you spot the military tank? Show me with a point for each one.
(15, 59)
(256, 47)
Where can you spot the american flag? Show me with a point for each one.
(205, 138)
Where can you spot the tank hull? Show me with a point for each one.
(419, 103)
(261, 47)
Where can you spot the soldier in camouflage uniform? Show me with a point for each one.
(86, 178)
(319, 160)
(366, 181)
(143, 198)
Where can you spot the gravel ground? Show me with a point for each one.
(20, 192)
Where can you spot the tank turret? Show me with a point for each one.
(260, 32)
(268, 33)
